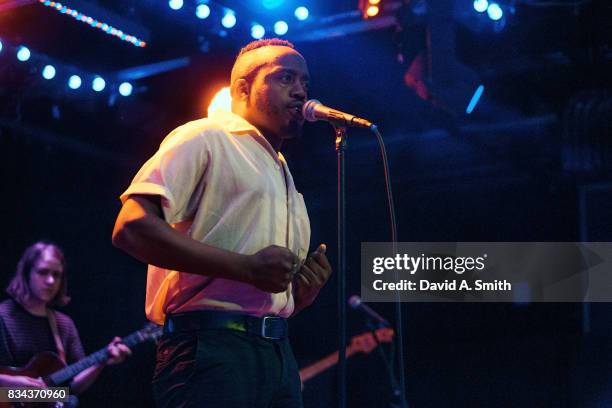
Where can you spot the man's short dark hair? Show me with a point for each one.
(253, 45)
(250, 74)
(19, 287)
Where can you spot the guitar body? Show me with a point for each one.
(41, 365)
(55, 373)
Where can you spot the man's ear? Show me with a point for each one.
(240, 89)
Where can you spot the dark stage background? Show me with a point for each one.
(530, 163)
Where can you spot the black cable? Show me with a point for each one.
(398, 304)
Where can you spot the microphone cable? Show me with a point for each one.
(398, 303)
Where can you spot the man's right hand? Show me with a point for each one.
(21, 381)
(272, 268)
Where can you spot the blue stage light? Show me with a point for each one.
(48, 72)
(280, 28)
(475, 99)
(301, 13)
(175, 4)
(481, 5)
(98, 84)
(257, 31)
(125, 89)
(495, 12)
(0, 46)
(229, 19)
(23, 53)
(74, 82)
(272, 4)
(202, 11)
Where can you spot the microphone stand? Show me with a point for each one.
(341, 143)
(388, 361)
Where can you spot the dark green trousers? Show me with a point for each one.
(225, 368)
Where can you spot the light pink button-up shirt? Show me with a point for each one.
(222, 184)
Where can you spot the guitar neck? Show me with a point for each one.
(330, 360)
(67, 373)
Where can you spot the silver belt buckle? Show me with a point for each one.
(263, 328)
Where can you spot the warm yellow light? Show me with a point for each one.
(372, 11)
(221, 101)
(373, 2)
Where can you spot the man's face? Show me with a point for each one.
(46, 277)
(278, 92)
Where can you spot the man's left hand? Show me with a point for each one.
(118, 351)
(311, 277)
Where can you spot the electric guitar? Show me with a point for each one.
(54, 373)
(363, 343)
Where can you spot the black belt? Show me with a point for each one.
(267, 327)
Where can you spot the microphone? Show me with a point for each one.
(355, 303)
(314, 110)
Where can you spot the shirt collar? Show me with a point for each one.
(238, 125)
(232, 122)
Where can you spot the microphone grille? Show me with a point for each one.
(354, 301)
(308, 110)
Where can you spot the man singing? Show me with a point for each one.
(217, 217)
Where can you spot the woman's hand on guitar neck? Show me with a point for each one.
(118, 351)
(21, 381)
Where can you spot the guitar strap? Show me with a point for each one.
(56, 336)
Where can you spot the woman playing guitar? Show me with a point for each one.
(29, 323)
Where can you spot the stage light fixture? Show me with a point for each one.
(372, 11)
(221, 101)
(98, 84)
(0, 46)
(175, 4)
(475, 99)
(23, 53)
(125, 89)
(94, 23)
(481, 5)
(495, 12)
(281, 28)
(202, 11)
(48, 72)
(229, 19)
(74, 82)
(301, 13)
(272, 4)
(370, 8)
(257, 31)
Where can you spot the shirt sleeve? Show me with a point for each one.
(175, 173)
